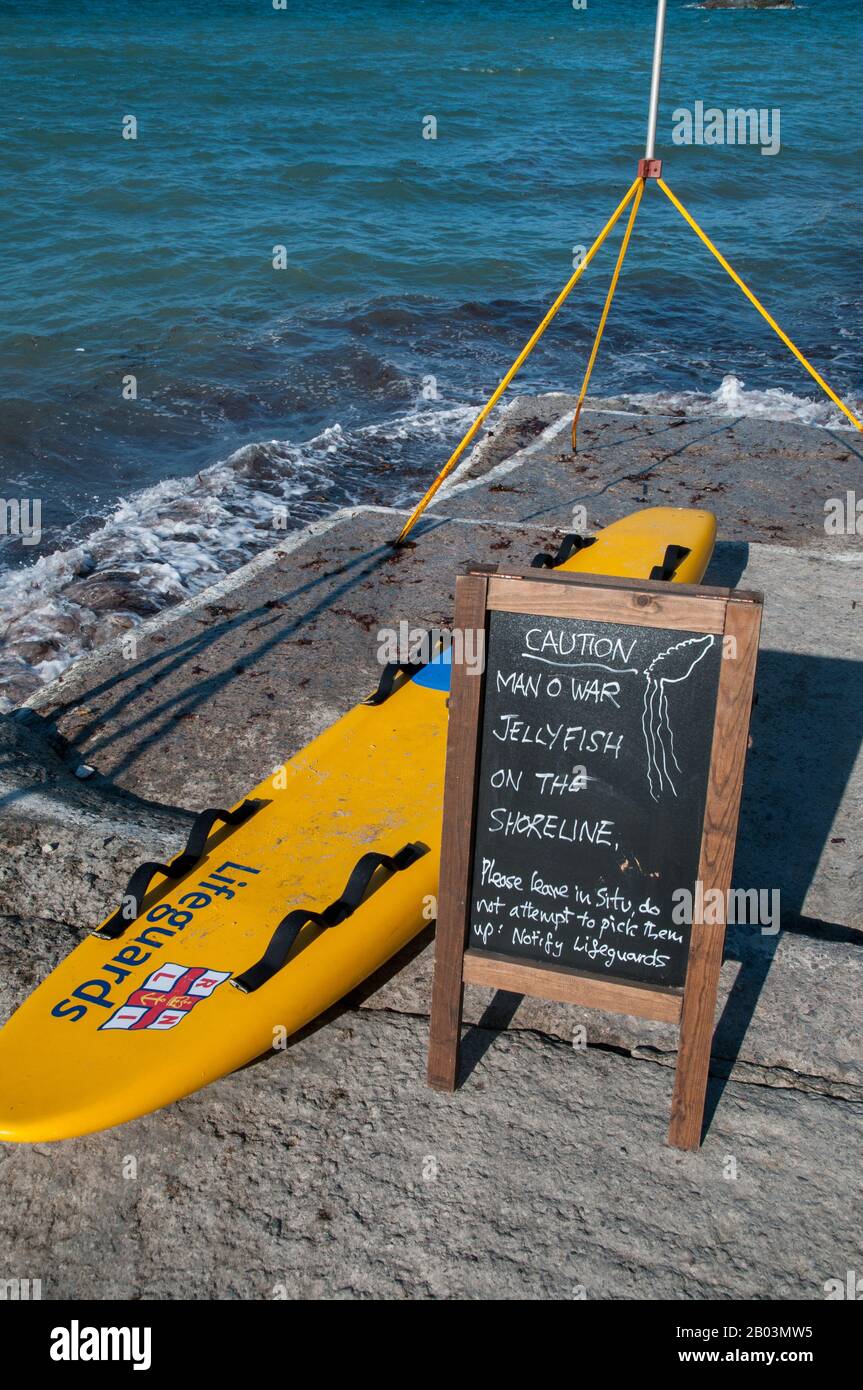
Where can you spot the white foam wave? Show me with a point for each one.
(732, 398)
(173, 539)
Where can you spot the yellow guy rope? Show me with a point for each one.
(608, 298)
(522, 357)
(758, 305)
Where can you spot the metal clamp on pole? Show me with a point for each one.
(650, 167)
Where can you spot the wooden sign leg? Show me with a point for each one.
(456, 840)
(446, 1010)
(730, 735)
(696, 1036)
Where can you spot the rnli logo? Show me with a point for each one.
(166, 997)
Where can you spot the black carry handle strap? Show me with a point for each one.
(390, 671)
(142, 877)
(673, 559)
(283, 938)
(569, 546)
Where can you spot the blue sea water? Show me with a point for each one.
(406, 258)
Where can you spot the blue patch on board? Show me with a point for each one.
(436, 676)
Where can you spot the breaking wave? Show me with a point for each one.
(170, 541)
(732, 398)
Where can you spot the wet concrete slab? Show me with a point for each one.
(765, 481)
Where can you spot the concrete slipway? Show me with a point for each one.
(330, 1169)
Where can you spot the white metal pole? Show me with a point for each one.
(653, 108)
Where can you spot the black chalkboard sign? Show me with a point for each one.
(595, 751)
(593, 780)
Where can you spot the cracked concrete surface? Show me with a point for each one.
(330, 1170)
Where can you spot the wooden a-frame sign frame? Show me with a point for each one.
(730, 613)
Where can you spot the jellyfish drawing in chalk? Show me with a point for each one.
(671, 667)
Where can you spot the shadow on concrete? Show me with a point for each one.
(477, 1038)
(124, 715)
(36, 760)
(845, 442)
(728, 564)
(480, 1036)
(807, 731)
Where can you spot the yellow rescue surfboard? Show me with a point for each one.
(295, 897)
